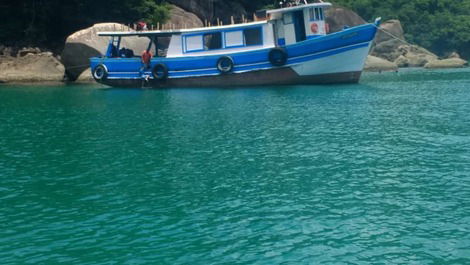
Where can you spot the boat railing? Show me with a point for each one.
(206, 23)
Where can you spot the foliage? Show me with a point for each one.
(442, 26)
(153, 12)
(42, 22)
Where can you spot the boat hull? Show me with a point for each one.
(279, 76)
(335, 58)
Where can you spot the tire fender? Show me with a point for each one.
(160, 72)
(278, 56)
(225, 64)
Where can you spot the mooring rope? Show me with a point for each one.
(391, 35)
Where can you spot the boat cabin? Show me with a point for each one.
(281, 27)
(299, 23)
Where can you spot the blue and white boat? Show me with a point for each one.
(291, 45)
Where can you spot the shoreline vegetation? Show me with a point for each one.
(55, 60)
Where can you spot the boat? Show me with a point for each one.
(283, 46)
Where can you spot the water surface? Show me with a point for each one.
(377, 172)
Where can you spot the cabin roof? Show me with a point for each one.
(299, 7)
(166, 33)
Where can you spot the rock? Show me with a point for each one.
(392, 27)
(338, 17)
(84, 44)
(388, 50)
(376, 64)
(24, 51)
(395, 49)
(402, 61)
(446, 63)
(181, 18)
(210, 10)
(453, 55)
(225, 9)
(403, 54)
(85, 77)
(417, 56)
(204, 9)
(30, 68)
(6, 51)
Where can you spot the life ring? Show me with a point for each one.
(314, 28)
(278, 56)
(100, 72)
(160, 72)
(225, 64)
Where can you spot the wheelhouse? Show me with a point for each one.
(299, 23)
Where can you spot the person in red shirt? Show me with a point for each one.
(146, 57)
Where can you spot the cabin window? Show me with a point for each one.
(234, 39)
(316, 14)
(288, 18)
(253, 36)
(212, 41)
(194, 43)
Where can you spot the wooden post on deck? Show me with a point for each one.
(243, 18)
(218, 22)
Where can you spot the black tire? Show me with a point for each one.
(278, 56)
(225, 64)
(160, 72)
(100, 72)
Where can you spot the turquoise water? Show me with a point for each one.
(377, 172)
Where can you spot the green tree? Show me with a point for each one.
(439, 25)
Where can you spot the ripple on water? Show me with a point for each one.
(369, 173)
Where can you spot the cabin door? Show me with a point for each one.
(299, 26)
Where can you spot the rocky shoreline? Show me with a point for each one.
(389, 53)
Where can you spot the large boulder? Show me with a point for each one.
(31, 68)
(85, 77)
(339, 17)
(389, 30)
(183, 19)
(204, 9)
(376, 64)
(446, 63)
(390, 44)
(210, 10)
(414, 56)
(84, 44)
(387, 49)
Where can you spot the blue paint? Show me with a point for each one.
(281, 41)
(313, 37)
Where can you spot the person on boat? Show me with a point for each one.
(141, 26)
(146, 57)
